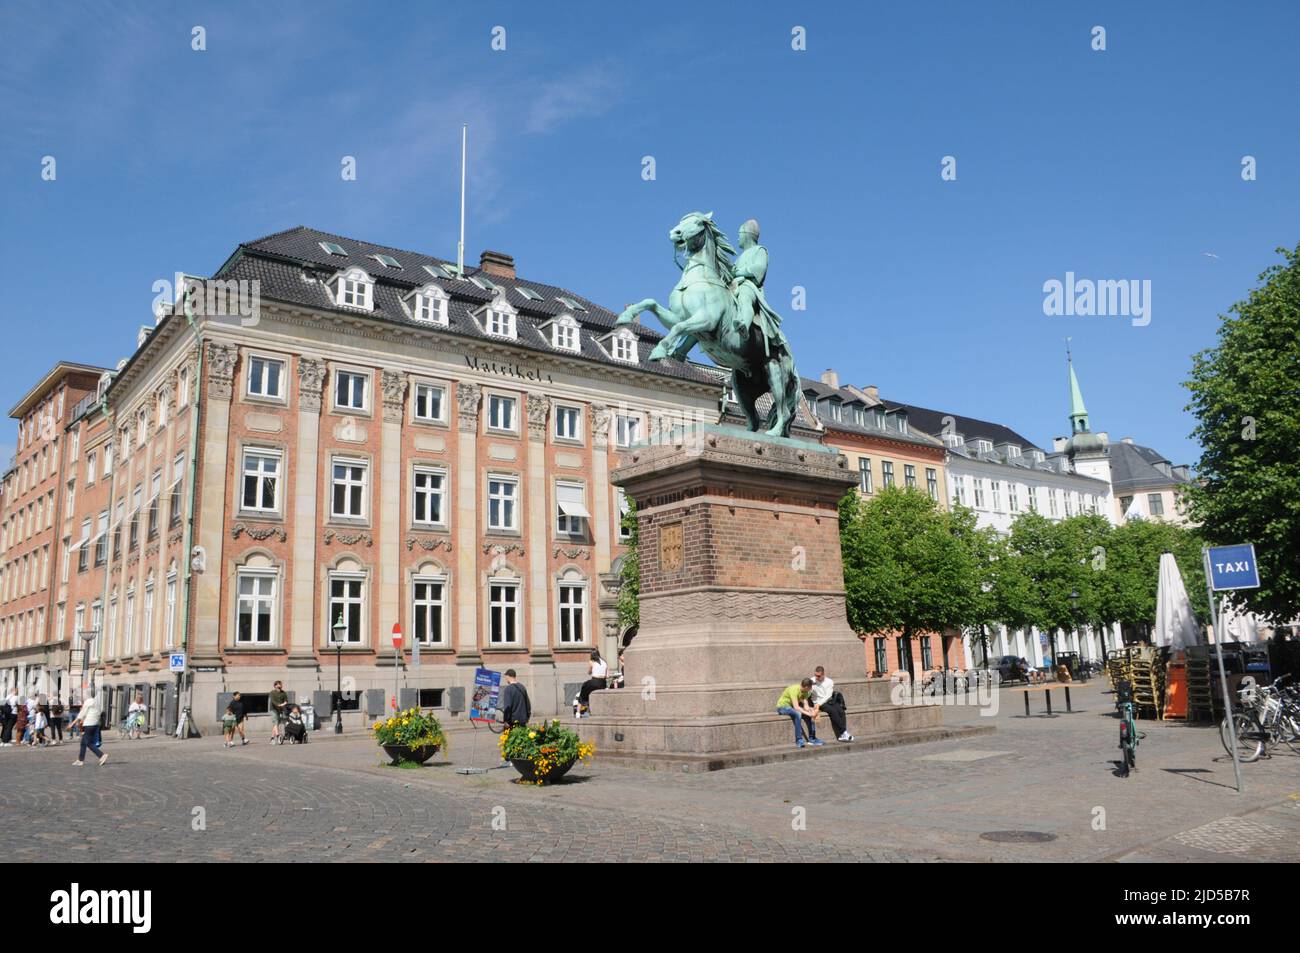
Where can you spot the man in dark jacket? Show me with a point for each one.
(515, 707)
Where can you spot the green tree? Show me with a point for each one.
(1053, 557)
(906, 566)
(1246, 399)
(629, 593)
(1002, 594)
(1133, 566)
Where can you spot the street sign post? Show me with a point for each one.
(177, 663)
(397, 662)
(1228, 568)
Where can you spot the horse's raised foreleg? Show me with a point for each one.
(686, 327)
(667, 317)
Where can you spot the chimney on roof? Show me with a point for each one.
(831, 379)
(1058, 444)
(872, 391)
(497, 263)
(1127, 440)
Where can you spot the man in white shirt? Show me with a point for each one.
(9, 715)
(821, 699)
(91, 713)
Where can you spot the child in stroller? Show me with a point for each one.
(295, 729)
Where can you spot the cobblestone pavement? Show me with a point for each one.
(332, 801)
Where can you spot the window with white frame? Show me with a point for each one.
(155, 490)
(571, 512)
(430, 488)
(142, 428)
(174, 494)
(355, 290)
(499, 322)
(430, 403)
(347, 601)
(627, 429)
(1051, 500)
(564, 334)
(108, 456)
(265, 378)
(350, 390)
(161, 404)
(501, 412)
(137, 497)
(1013, 498)
(909, 475)
(503, 612)
(887, 473)
(255, 624)
(502, 496)
(90, 468)
(350, 480)
(996, 486)
(146, 630)
(979, 493)
(568, 422)
(182, 388)
(428, 601)
(573, 612)
(169, 626)
(623, 346)
(864, 474)
(429, 305)
(110, 640)
(261, 481)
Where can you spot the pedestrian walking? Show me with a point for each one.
(20, 725)
(56, 720)
(237, 709)
(9, 717)
(135, 717)
(279, 703)
(228, 723)
(91, 713)
(516, 708)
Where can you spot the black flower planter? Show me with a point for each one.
(400, 753)
(529, 774)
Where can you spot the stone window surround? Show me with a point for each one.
(332, 370)
(436, 466)
(443, 422)
(247, 356)
(364, 458)
(485, 411)
(615, 414)
(511, 576)
(515, 477)
(430, 570)
(331, 571)
(586, 535)
(248, 563)
(577, 441)
(571, 575)
(271, 448)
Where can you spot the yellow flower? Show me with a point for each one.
(532, 734)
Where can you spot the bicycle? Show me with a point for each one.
(1269, 715)
(1129, 736)
(131, 728)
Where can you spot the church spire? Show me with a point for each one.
(1078, 412)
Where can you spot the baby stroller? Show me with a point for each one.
(295, 729)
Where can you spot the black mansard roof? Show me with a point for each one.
(292, 267)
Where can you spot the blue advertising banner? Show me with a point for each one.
(1232, 567)
(487, 689)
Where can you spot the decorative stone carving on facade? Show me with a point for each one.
(574, 553)
(426, 543)
(600, 418)
(151, 551)
(311, 380)
(221, 360)
(258, 532)
(741, 605)
(468, 397)
(349, 539)
(175, 538)
(394, 388)
(503, 549)
(539, 408)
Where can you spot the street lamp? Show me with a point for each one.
(339, 628)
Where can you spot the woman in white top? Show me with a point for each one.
(597, 669)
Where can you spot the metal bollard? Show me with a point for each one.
(1048, 693)
(1067, 699)
(1026, 704)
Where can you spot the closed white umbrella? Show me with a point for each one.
(1239, 626)
(1176, 624)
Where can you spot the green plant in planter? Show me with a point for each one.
(410, 729)
(547, 746)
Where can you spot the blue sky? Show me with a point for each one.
(1122, 164)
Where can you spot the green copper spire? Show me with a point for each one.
(1078, 412)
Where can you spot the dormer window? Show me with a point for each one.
(983, 446)
(354, 289)
(499, 318)
(859, 416)
(879, 419)
(837, 412)
(564, 333)
(429, 305)
(623, 346)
